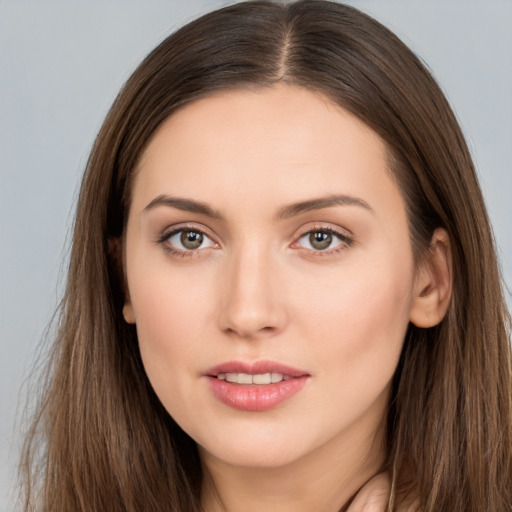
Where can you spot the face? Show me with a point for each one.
(270, 275)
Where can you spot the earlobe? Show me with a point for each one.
(434, 281)
(115, 249)
(128, 313)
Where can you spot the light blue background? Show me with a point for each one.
(61, 65)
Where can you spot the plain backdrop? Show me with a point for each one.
(61, 65)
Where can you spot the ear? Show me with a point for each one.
(434, 282)
(128, 313)
(115, 250)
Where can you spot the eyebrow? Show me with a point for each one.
(322, 202)
(292, 210)
(186, 205)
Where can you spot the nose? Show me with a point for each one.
(252, 301)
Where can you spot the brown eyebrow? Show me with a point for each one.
(187, 205)
(322, 202)
(190, 205)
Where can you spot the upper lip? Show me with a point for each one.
(255, 368)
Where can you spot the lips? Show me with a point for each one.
(255, 386)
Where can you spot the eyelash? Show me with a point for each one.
(183, 253)
(344, 241)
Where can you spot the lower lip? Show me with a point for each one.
(254, 397)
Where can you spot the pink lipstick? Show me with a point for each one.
(255, 386)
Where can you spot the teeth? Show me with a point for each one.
(246, 378)
(265, 378)
(277, 377)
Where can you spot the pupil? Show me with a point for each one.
(320, 240)
(191, 239)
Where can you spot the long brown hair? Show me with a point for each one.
(101, 440)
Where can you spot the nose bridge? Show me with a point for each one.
(250, 304)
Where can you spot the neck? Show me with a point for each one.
(324, 480)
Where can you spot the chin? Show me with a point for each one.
(265, 445)
(252, 456)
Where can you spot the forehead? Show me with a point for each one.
(283, 141)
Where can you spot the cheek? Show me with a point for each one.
(360, 320)
(171, 310)
(358, 349)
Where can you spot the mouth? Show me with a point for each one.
(255, 386)
(258, 379)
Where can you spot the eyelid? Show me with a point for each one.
(170, 231)
(324, 226)
(344, 235)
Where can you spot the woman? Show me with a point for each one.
(283, 289)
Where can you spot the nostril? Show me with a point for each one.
(251, 333)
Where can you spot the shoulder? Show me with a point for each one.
(374, 496)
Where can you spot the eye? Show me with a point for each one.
(324, 240)
(187, 240)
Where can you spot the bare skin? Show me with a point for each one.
(266, 226)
